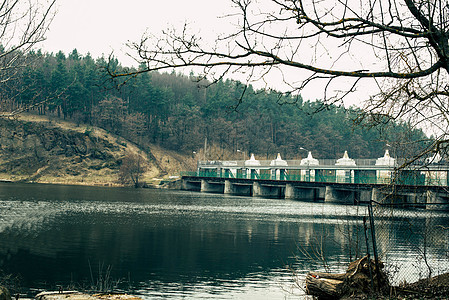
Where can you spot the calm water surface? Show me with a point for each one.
(173, 244)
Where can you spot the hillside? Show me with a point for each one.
(48, 150)
(180, 113)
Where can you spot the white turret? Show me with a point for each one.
(345, 160)
(278, 161)
(309, 160)
(386, 160)
(252, 162)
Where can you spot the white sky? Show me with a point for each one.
(102, 26)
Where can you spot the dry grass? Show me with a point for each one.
(160, 163)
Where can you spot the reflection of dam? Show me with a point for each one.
(171, 240)
(195, 240)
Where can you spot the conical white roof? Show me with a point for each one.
(345, 160)
(386, 160)
(309, 160)
(252, 161)
(278, 161)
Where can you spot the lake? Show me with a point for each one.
(161, 244)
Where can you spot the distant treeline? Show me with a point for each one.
(177, 112)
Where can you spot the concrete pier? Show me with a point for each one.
(228, 187)
(256, 189)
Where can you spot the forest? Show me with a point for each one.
(179, 112)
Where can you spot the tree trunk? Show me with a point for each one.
(325, 288)
(357, 280)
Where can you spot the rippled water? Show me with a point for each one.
(172, 244)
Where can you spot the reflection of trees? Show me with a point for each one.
(175, 246)
(193, 241)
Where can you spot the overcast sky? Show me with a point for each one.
(100, 27)
(103, 26)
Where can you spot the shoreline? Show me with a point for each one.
(157, 184)
(69, 295)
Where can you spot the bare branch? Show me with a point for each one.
(401, 46)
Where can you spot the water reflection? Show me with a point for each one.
(179, 244)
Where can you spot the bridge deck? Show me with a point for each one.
(340, 192)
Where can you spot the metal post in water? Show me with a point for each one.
(367, 254)
(373, 237)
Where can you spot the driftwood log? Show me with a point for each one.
(320, 285)
(358, 279)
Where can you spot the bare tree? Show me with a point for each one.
(398, 48)
(132, 169)
(23, 24)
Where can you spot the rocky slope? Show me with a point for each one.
(40, 149)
